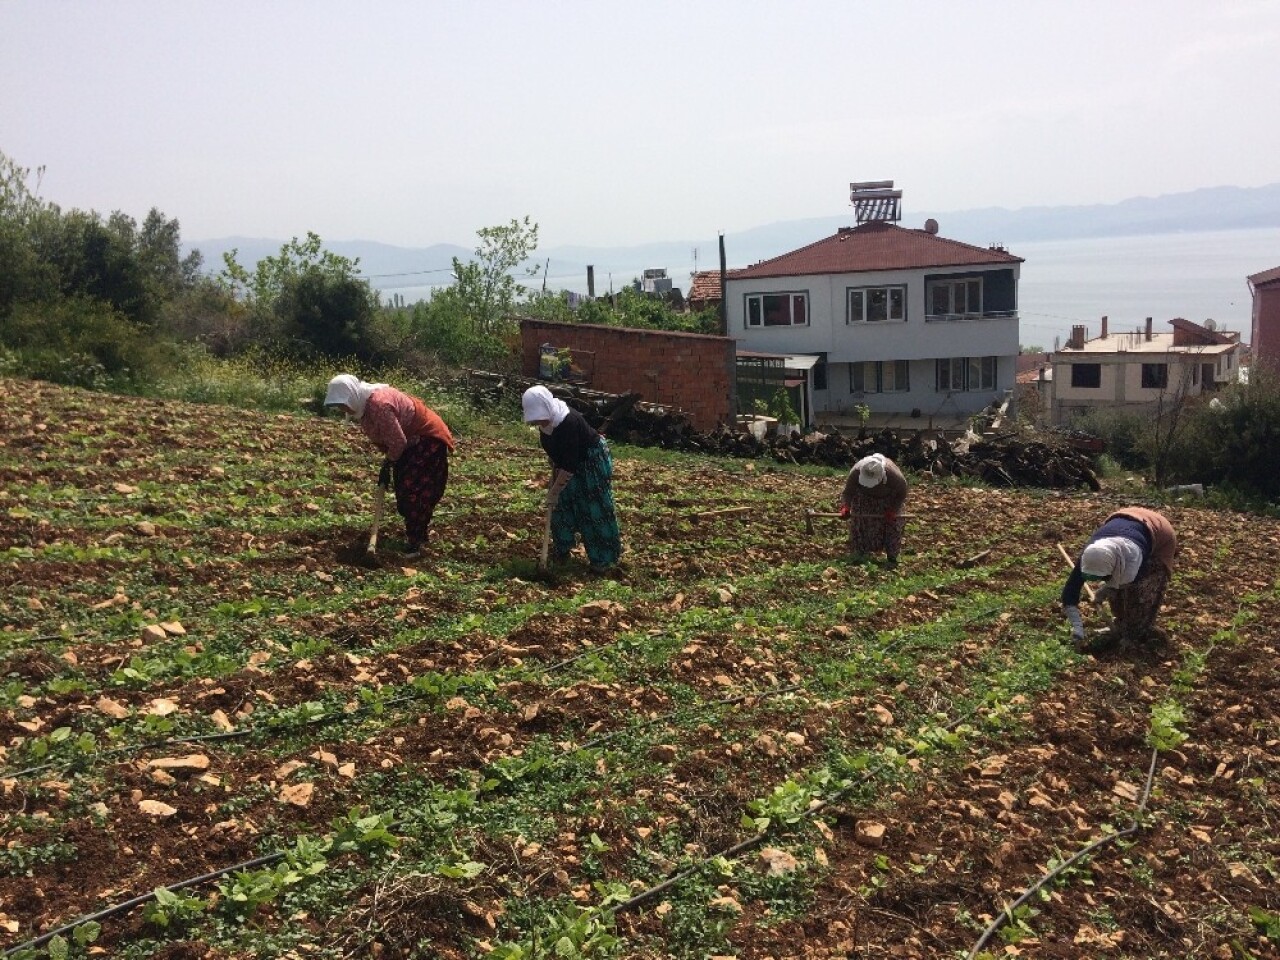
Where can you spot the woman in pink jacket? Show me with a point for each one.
(415, 444)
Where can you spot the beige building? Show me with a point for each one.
(1137, 372)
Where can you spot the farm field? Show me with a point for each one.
(742, 744)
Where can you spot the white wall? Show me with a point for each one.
(844, 342)
(923, 395)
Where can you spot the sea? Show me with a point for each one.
(1194, 275)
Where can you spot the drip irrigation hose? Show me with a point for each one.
(74, 762)
(743, 846)
(678, 714)
(127, 905)
(1007, 913)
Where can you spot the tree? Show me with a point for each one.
(1171, 407)
(24, 275)
(485, 288)
(308, 299)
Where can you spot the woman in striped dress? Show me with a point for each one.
(580, 493)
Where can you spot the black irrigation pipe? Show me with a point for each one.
(127, 905)
(728, 853)
(688, 711)
(743, 846)
(74, 762)
(1007, 913)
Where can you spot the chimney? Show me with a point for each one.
(1077, 337)
(1148, 333)
(1103, 335)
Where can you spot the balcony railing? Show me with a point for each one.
(968, 317)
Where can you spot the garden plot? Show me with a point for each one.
(741, 745)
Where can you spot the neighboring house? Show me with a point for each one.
(1141, 370)
(1265, 337)
(902, 321)
(704, 290)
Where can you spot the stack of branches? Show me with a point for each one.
(1012, 458)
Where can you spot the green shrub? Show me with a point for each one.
(1230, 440)
(81, 342)
(1125, 434)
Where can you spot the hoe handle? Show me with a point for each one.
(379, 496)
(1072, 564)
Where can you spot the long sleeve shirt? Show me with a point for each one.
(1117, 525)
(569, 444)
(394, 421)
(1148, 529)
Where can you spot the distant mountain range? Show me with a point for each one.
(390, 268)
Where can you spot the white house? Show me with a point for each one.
(903, 321)
(1138, 371)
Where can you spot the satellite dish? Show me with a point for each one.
(931, 226)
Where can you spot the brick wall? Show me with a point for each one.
(686, 370)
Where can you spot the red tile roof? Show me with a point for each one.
(875, 246)
(705, 285)
(1266, 276)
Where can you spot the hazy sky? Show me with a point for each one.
(415, 123)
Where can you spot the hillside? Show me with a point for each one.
(742, 745)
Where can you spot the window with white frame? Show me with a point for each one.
(960, 374)
(955, 298)
(777, 309)
(880, 376)
(877, 304)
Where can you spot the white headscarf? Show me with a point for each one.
(539, 404)
(870, 470)
(1117, 558)
(352, 391)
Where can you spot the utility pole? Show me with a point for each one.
(724, 306)
(591, 281)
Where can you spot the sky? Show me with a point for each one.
(415, 123)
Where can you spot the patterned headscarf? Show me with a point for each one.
(351, 391)
(538, 404)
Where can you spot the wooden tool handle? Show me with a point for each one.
(1088, 590)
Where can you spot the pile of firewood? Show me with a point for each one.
(1011, 458)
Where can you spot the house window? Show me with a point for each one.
(1155, 376)
(879, 376)
(1086, 375)
(777, 310)
(876, 304)
(959, 298)
(1195, 374)
(958, 374)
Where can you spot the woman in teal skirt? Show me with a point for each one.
(580, 494)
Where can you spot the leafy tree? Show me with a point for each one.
(485, 287)
(24, 275)
(308, 299)
(332, 315)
